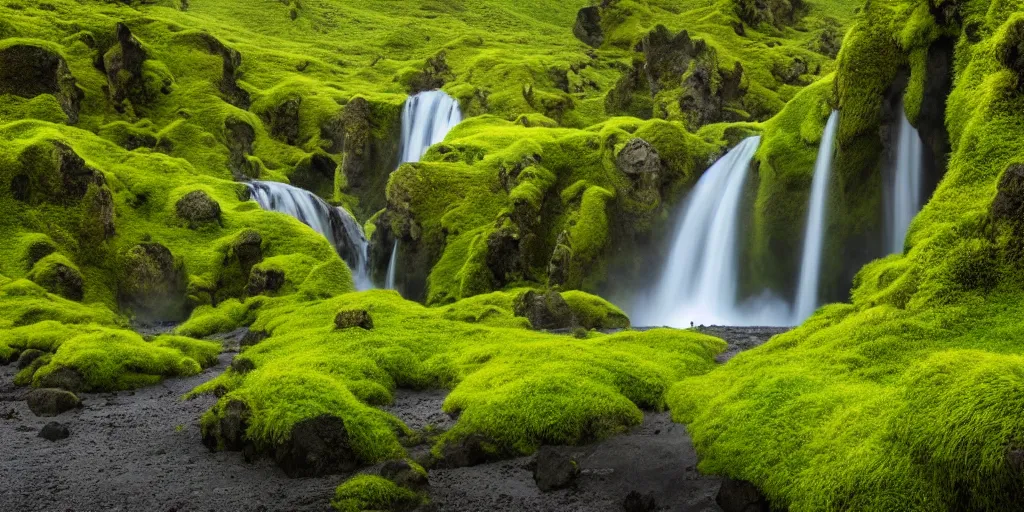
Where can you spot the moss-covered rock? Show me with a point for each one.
(588, 26)
(545, 310)
(152, 284)
(28, 71)
(197, 208)
(59, 276)
(123, 64)
(353, 318)
(47, 402)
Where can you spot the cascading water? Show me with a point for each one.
(814, 235)
(426, 120)
(904, 197)
(701, 276)
(335, 224)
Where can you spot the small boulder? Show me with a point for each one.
(403, 474)
(197, 208)
(636, 502)
(265, 280)
(471, 450)
(62, 280)
(48, 402)
(741, 496)
(317, 446)
(228, 432)
(54, 431)
(242, 365)
(253, 337)
(63, 378)
(29, 71)
(638, 159)
(27, 357)
(588, 26)
(152, 284)
(554, 469)
(350, 318)
(545, 310)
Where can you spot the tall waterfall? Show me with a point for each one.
(426, 120)
(814, 236)
(335, 224)
(904, 197)
(700, 280)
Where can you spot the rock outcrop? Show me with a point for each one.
(317, 446)
(588, 26)
(434, 75)
(282, 120)
(28, 71)
(197, 208)
(641, 163)
(152, 284)
(779, 13)
(232, 60)
(240, 136)
(545, 310)
(1011, 51)
(265, 280)
(123, 66)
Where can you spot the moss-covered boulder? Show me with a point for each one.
(545, 310)
(641, 163)
(372, 492)
(197, 208)
(48, 402)
(317, 446)
(152, 284)
(27, 71)
(123, 64)
(434, 74)
(588, 26)
(59, 276)
(51, 171)
(350, 318)
(240, 136)
(265, 280)
(282, 119)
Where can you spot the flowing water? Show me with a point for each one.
(335, 224)
(817, 216)
(389, 282)
(904, 198)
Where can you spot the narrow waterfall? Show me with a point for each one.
(389, 281)
(426, 119)
(814, 235)
(904, 198)
(335, 224)
(700, 280)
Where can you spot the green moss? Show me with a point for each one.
(371, 492)
(593, 312)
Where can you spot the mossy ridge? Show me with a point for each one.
(901, 399)
(594, 387)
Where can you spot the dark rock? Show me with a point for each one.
(1009, 201)
(638, 159)
(775, 12)
(503, 256)
(54, 431)
(588, 27)
(46, 402)
(667, 56)
(242, 365)
(248, 250)
(631, 94)
(283, 120)
(471, 450)
(123, 65)
(97, 223)
(353, 318)
(152, 284)
(316, 174)
(368, 136)
(38, 250)
(29, 71)
(830, 39)
(739, 28)
(741, 496)
(62, 280)
(197, 208)
(63, 378)
(636, 502)
(403, 474)
(27, 357)
(53, 172)
(228, 432)
(946, 12)
(1011, 51)
(791, 74)
(434, 75)
(240, 136)
(508, 173)
(561, 261)
(545, 311)
(232, 60)
(317, 446)
(554, 469)
(253, 338)
(264, 280)
(706, 89)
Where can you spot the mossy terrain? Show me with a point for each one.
(905, 398)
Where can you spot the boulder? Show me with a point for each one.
(63, 378)
(1009, 201)
(47, 402)
(1011, 51)
(123, 65)
(545, 310)
(282, 120)
(97, 222)
(62, 280)
(27, 357)
(434, 75)
(741, 496)
(54, 431)
(37, 250)
(28, 71)
(555, 469)
(152, 284)
(317, 446)
(242, 365)
(636, 502)
(197, 208)
(253, 338)
(707, 89)
(588, 26)
(791, 73)
(667, 57)
(830, 39)
(404, 475)
(471, 450)
(639, 159)
(946, 12)
(265, 280)
(316, 174)
(52, 172)
(350, 318)
(232, 60)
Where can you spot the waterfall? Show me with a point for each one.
(904, 196)
(335, 224)
(389, 282)
(426, 120)
(814, 236)
(700, 280)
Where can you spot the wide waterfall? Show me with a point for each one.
(904, 198)
(335, 224)
(426, 120)
(700, 278)
(817, 216)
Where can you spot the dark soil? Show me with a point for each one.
(141, 450)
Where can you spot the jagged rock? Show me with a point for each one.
(234, 94)
(28, 71)
(471, 450)
(283, 120)
(667, 57)
(353, 318)
(240, 136)
(403, 474)
(776, 12)
(554, 469)
(62, 280)
(27, 357)
(631, 94)
(434, 75)
(791, 73)
(741, 496)
(1009, 201)
(317, 446)
(197, 208)
(152, 284)
(53, 172)
(1011, 51)
(123, 65)
(588, 27)
(229, 431)
(48, 402)
(638, 159)
(54, 431)
(636, 502)
(503, 256)
(264, 280)
(561, 261)
(248, 250)
(545, 311)
(706, 89)
(64, 378)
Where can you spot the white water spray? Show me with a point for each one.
(814, 236)
(904, 198)
(389, 281)
(335, 224)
